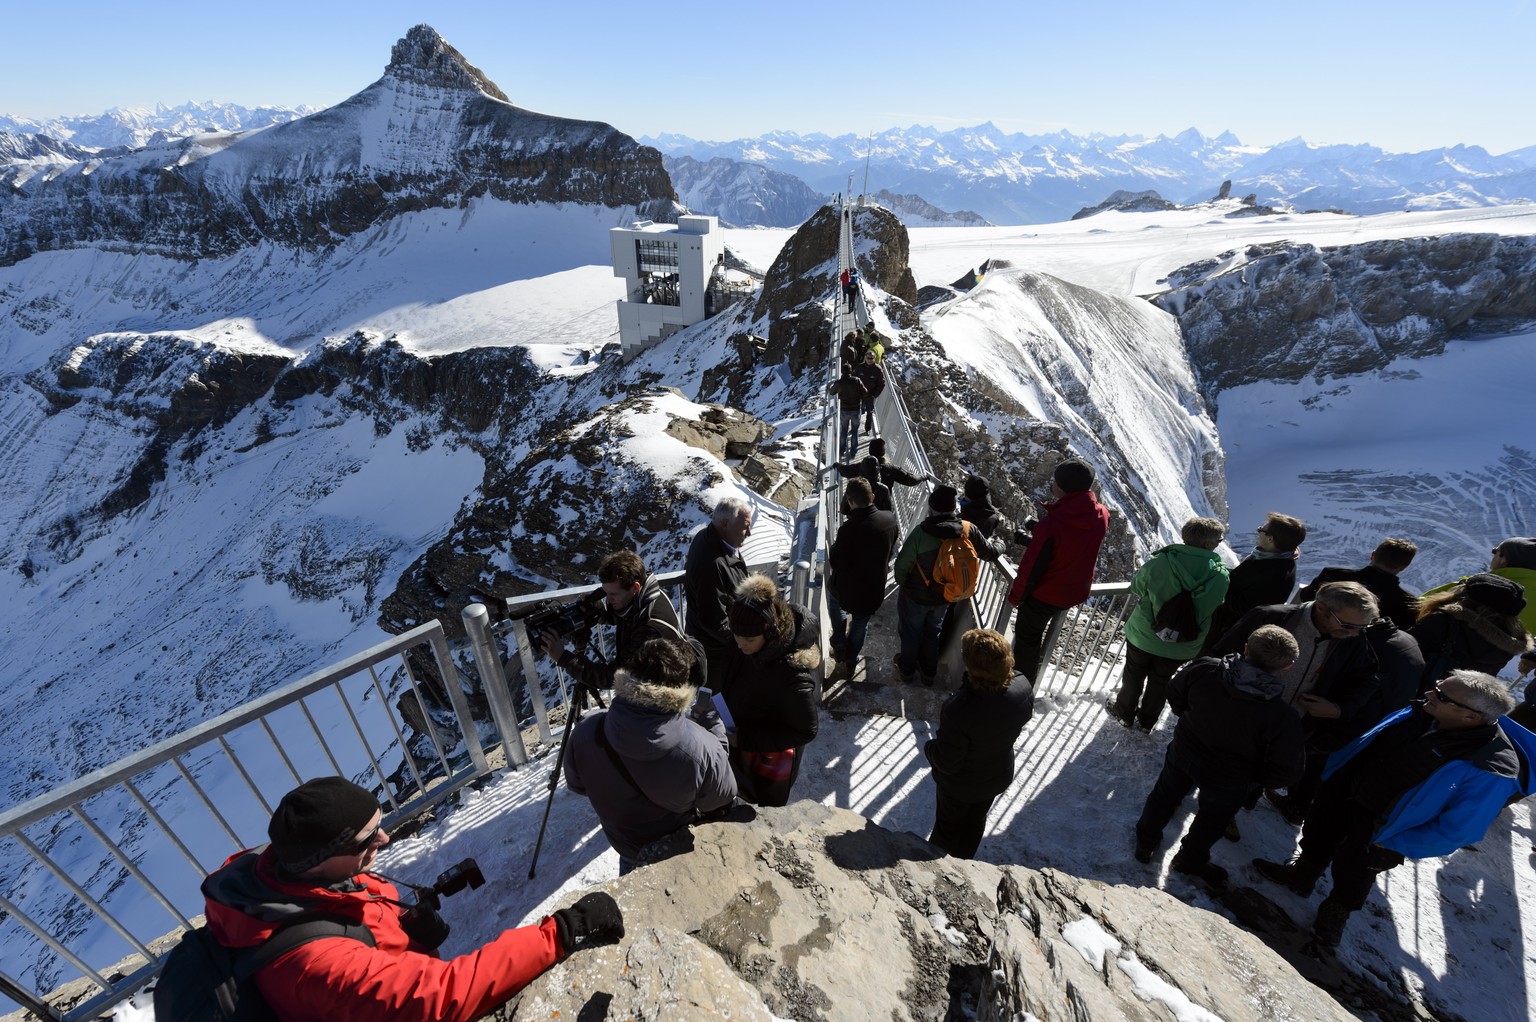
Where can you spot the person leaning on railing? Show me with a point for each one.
(325, 835)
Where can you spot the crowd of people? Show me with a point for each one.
(1368, 715)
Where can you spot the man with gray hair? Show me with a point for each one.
(1334, 683)
(1425, 781)
(712, 571)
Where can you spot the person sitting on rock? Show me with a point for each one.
(657, 758)
(1235, 735)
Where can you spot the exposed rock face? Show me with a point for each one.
(433, 132)
(742, 194)
(1286, 312)
(825, 916)
(915, 211)
(1129, 202)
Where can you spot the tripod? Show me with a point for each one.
(578, 704)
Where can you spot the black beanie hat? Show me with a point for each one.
(317, 820)
(976, 489)
(877, 447)
(1519, 551)
(942, 500)
(1073, 476)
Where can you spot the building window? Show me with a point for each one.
(657, 261)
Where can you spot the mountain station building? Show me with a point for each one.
(668, 269)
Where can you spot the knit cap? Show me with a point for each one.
(1073, 476)
(317, 820)
(942, 500)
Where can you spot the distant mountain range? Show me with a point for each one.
(981, 172)
(1017, 178)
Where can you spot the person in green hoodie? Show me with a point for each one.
(1157, 642)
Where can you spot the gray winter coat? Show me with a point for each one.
(678, 769)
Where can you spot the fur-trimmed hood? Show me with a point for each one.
(1503, 631)
(651, 696)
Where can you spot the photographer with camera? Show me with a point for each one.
(632, 602)
(377, 960)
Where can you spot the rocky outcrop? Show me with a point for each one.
(742, 194)
(1285, 312)
(813, 913)
(1128, 202)
(433, 132)
(915, 211)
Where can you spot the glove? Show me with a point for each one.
(596, 916)
(1381, 858)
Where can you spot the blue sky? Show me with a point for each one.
(1412, 76)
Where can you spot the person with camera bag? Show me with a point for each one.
(378, 961)
(635, 605)
(655, 760)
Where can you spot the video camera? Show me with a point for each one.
(571, 618)
(422, 922)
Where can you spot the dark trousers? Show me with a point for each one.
(1338, 831)
(1149, 670)
(1216, 806)
(1029, 635)
(958, 822)
(848, 630)
(848, 419)
(869, 415)
(714, 662)
(918, 626)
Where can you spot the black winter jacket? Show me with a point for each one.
(1233, 725)
(972, 753)
(1255, 582)
(710, 576)
(1466, 634)
(1396, 602)
(860, 559)
(774, 695)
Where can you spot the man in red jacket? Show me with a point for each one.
(325, 835)
(1056, 570)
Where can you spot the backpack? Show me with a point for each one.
(955, 567)
(1176, 620)
(204, 981)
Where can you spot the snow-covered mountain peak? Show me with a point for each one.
(424, 57)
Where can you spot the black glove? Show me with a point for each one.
(596, 916)
(1381, 858)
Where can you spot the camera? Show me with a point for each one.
(422, 922)
(572, 618)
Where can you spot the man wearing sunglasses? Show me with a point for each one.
(1334, 684)
(1425, 781)
(371, 967)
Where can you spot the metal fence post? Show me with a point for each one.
(531, 679)
(494, 681)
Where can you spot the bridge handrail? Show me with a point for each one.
(150, 810)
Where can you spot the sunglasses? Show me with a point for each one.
(1346, 625)
(1447, 699)
(363, 843)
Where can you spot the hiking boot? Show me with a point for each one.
(1144, 852)
(1203, 869)
(1297, 875)
(842, 672)
(928, 680)
(1124, 719)
(1328, 927)
(907, 677)
(1232, 833)
(1294, 813)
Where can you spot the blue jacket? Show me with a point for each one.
(1454, 806)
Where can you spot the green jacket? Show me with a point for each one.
(1171, 569)
(1526, 577)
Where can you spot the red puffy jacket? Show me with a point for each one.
(337, 979)
(1057, 566)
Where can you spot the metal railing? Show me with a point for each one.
(110, 864)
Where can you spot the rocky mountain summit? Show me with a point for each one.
(1285, 312)
(742, 194)
(433, 132)
(813, 913)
